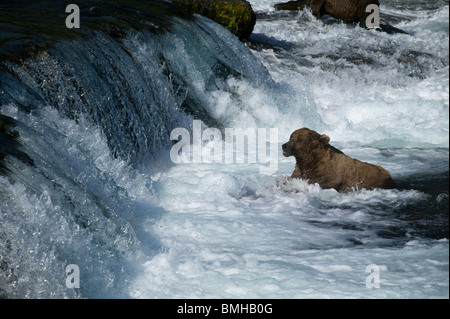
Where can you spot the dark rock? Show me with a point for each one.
(291, 5)
(9, 144)
(19, 41)
(390, 29)
(350, 11)
(235, 15)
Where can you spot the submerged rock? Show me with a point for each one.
(9, 143)
(291, 5)
(390, 29)
(235, 15)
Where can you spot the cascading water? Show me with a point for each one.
(86, 178)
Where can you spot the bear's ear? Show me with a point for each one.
(325, 139)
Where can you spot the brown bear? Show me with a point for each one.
(319, 162)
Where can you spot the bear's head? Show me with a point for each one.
(304, 141)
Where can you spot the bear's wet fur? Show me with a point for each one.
(319, 162)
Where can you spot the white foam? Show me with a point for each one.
(263, 5)
(232, 233)
(273, 240)
(370, 87)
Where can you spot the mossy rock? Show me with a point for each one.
(235, 15)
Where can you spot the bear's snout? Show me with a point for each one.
(285, 148)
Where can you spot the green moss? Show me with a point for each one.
(226, 13)
(235, 15)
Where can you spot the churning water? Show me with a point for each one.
(88, 179)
